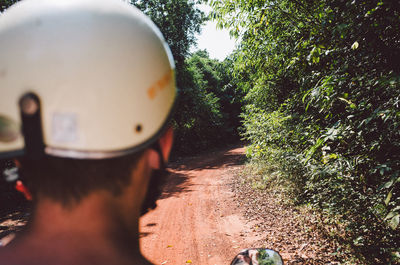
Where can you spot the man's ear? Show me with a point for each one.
(17, 163)
(165, 142)
(20, 186)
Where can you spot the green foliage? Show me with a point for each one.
(264, 259)
(178, 20)
(199, 117)
(322, 82)
(4, 4)
(207, 105)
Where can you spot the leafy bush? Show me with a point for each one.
(208, 107)
(323, 105)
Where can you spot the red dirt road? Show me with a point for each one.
(196, 220)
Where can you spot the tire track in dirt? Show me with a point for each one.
(197, 220)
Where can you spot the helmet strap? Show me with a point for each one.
(32, 126)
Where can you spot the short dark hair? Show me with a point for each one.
(68, 180)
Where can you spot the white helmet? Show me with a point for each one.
(101, 70)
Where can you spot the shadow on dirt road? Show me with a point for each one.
(196, 220)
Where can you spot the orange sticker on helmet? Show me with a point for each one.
(159, 85)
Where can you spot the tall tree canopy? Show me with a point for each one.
(179, 21)
(205, 114)
(210, 104)
(4, 4)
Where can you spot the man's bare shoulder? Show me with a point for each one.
(8, 256)
(16, 254)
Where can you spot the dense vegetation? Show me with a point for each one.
(209, 103)
(322, 112)
(4, 4)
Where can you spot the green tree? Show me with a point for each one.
(4, 4)
(197, 115)
(210, 107)
(179, 21)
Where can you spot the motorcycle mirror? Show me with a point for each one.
(257, 256)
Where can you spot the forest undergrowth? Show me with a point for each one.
(304, 234)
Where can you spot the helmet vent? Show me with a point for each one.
(138, 128)
(29, 105)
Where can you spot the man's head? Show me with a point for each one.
(91, 85)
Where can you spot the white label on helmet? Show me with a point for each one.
(64, 128)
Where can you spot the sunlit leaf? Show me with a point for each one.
(394, 222)
(355, 45)
(388, 197)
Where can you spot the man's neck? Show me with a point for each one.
(92, 231)
(96, 216)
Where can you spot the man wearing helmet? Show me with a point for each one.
(86, 90)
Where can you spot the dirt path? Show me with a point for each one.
(196, 220)
(210, 211)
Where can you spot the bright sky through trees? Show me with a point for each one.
(216, 41)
